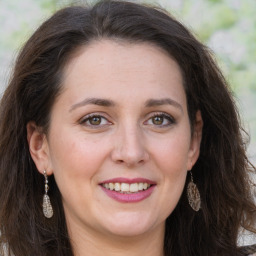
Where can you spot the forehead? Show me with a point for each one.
(110, 68)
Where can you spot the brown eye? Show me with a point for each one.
(160, 120)
(96, 120)
(157, 120)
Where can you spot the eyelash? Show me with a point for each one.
(87, 118)
(163, 115)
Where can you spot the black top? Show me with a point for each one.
(249, 250)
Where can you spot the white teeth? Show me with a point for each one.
(140, 186)
(134, 187)
(117, 187)
(126, 188)
(111, 186)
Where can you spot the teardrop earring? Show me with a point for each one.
(47, 207)
(193, 195)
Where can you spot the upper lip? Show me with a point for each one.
(129, 181)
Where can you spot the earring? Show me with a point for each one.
(47, 207)
(193, 195)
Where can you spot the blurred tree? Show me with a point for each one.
(228, 27)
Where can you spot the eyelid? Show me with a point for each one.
(84, 119)
(169, 117)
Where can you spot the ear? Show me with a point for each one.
(38, 147)
(195, 143)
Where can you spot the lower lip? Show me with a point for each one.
(129, 198)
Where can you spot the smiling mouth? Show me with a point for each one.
(126, 188)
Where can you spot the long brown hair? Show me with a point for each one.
(221, 172)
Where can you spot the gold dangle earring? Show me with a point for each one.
(193, 195)
(47, 207)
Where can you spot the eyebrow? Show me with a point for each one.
(93, 101)
(109, 103)
(165, 101)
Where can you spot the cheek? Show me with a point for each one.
(172, 155)
(75, 156)
(76, 162)
(172, 162)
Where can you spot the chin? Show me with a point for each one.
(130, 231)
(129, 224)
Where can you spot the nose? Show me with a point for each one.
(129, 147)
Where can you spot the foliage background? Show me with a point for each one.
(228, 27)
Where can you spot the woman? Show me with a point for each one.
(120, 136)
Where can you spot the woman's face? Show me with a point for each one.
(119, 142)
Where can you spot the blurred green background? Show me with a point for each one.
(228, 27)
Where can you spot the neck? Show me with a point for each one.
(88, 242)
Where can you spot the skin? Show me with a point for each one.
(126, 141)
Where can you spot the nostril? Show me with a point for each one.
(129, 152)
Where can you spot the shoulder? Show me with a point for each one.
(249, 250)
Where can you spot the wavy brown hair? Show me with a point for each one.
(221, 172)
